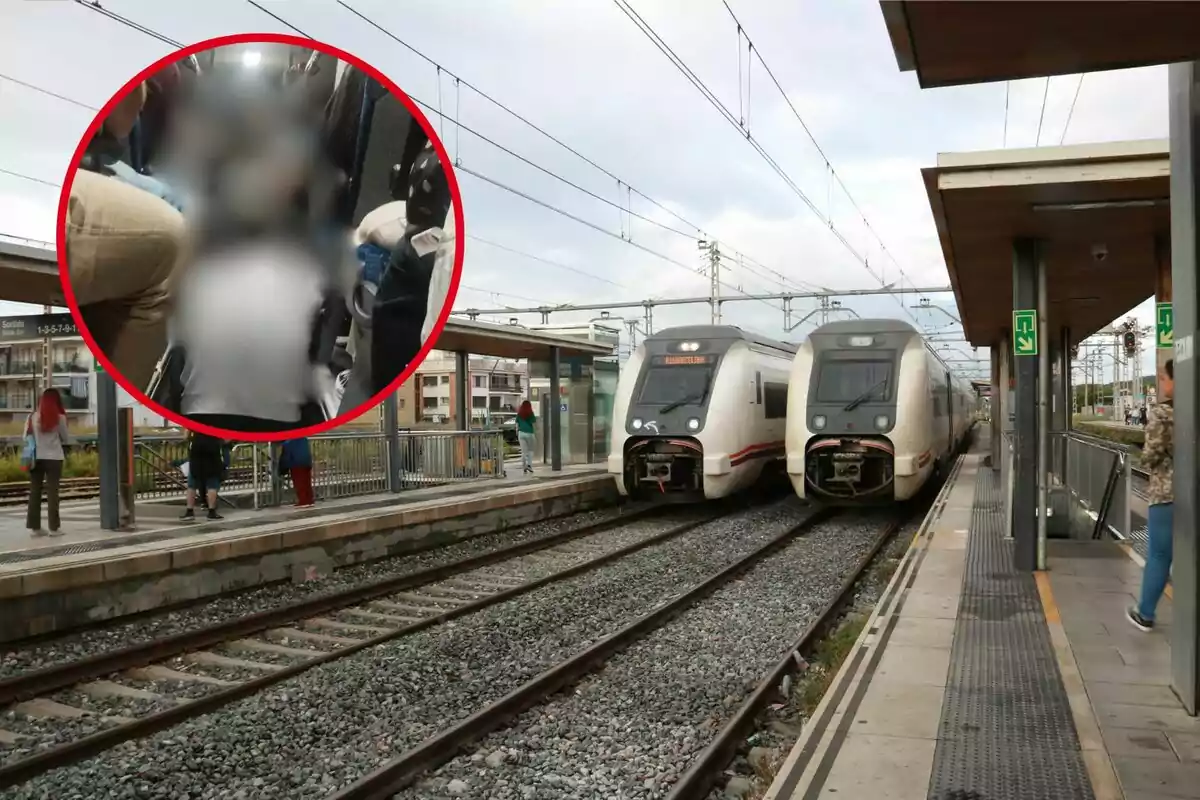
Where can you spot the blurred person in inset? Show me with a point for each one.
(206, 471)
(247, 327)
(525, 435)
(124, 237)
(1158, 456)
(295, 458)
(48, 427)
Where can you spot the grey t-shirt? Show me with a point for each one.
(49, 443)
(245, 318)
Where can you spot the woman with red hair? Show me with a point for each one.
(525, 435)
(48, 428)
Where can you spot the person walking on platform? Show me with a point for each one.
(46, 442)
(1158, 456)
(296, 458)
(206, 467)
(525, 435)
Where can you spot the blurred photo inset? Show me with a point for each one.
(260, 238)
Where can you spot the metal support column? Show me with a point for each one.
(1162, 294)
(1066, 398)
(391, 433)
(1185, 246)
(1025, 429)
(462, 390)
(997, 389)
(1044, 392)
(108, 436)
(555, 413)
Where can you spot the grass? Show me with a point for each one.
(1126, 436)
(827, 660)
(78, 465)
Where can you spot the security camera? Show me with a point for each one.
(1099, 252)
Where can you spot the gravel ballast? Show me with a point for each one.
(524, 569)
(222, 609)
(632, 728)
(321, 730)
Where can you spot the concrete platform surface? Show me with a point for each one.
(159, 521)
(111, 576)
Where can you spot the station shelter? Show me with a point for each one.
(1046, 246)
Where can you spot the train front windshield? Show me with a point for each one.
(843, 380)
(665, 385)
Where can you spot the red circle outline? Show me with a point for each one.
(272, 38)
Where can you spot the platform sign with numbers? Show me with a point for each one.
(37, 326)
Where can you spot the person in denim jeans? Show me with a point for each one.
(1158, 456)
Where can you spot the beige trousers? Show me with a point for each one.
(123, 245)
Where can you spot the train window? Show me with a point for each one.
(664, 385)
(775, 395)
(843, 380)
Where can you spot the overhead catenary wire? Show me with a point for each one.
(648, 31)
(499, 184)
(1071, 111)
(836, 177)
(1042, 115)
(552, 138)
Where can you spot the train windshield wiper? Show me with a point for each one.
(691, 397)
(862, 398)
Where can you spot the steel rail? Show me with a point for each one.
(85, 747)
(60, 676)
(442, 747)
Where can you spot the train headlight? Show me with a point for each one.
(882, 422)
(636, 424)
(818, 422)
(693, 424)
(689, 347)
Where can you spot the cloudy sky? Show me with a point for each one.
(583, 72)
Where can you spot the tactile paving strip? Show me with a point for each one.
(1006, 731)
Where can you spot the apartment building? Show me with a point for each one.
(25, 343)
(497, 387)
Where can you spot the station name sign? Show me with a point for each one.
(37, 326)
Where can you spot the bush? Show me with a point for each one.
(1133, 437)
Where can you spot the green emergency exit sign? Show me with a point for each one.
(1025, 340)
(1164, 326)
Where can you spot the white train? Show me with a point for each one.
(872, 413)
(700, 411)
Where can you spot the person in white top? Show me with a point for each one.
(48, 426)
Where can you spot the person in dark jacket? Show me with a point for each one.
(401, 302)
(296, 458)
(206, 471)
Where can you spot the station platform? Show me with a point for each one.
(89, 574)
(973, 680)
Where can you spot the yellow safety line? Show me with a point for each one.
(1096, 758)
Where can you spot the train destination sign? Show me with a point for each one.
(37, 326)
(676, 360)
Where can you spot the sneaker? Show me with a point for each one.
(55, 534)
(1138, 621)
(37, 533)
(212, 514)
(188, 515)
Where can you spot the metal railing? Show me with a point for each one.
(1098, 479)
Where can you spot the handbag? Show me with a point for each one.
(29, 452)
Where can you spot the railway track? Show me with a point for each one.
(76, 710)
(455, 772)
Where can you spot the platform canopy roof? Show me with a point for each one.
(1079, 200)
(513, 341)
(955, 42)
(29, 275)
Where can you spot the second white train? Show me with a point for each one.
(873, 412)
